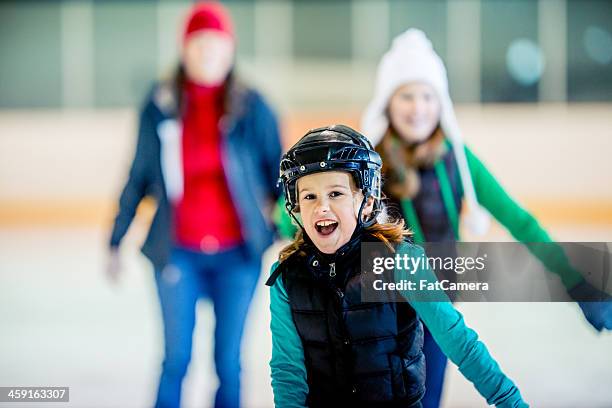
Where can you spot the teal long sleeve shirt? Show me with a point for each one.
(446, 324)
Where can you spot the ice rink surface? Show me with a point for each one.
(63, 324)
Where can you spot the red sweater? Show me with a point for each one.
(205, 216)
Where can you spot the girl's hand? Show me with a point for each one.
(598, 311)
(599, 314)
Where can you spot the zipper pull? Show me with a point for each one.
(332, 270)
(339, 293)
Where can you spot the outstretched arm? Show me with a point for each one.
(526, 229)
(459, 342)
(461, 345)
(519, 222)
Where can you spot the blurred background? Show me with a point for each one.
(532, 83)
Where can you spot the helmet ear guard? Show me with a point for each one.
(333, 148)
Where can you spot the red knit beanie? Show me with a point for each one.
(208, 15)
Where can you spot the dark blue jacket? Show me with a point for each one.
(250, 152)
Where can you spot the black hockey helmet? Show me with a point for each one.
(333, 148)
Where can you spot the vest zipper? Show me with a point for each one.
(332, 273)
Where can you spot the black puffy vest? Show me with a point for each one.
(356, 354)
(428, 202)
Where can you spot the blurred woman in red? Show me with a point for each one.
(208, 151)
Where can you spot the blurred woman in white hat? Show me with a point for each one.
(437, 183)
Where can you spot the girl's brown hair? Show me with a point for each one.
(401, 161)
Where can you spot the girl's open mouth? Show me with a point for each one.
(326, 227)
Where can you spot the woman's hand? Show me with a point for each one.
(113, 266)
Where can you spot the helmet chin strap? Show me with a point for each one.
(289, 209)
(371, 221)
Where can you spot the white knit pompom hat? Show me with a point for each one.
(413, 59)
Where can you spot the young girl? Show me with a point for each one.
(329, 347)
(437, 183)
